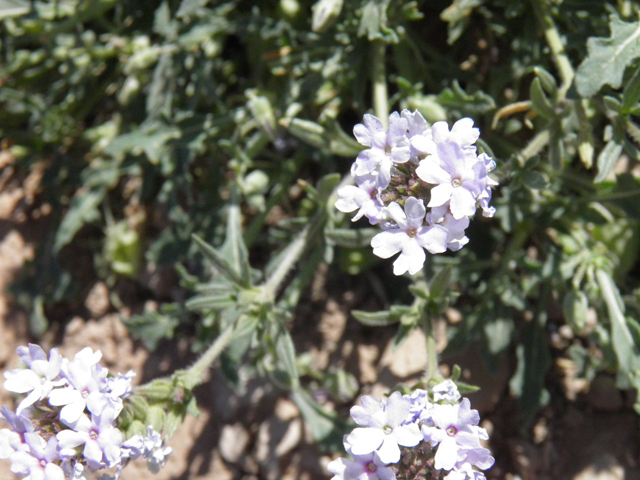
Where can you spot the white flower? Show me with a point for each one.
(410, 237)
(460, 177)
(362, 467)
(454, 430)
(39, 379)
(447, 391)
(364, 197)
(99, 436)
(384, 428)
(388, 147)
(38, 460)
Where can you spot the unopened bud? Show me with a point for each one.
(325, 13)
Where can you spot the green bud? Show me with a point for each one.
(156, 417)
(262, 112)
(139, 406)
(136, 428)
(130, 88)
(306, 130)
(256, 182)
(428, 107)
(160, 390)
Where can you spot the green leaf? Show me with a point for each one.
(575, 307)
(326, 185)
(377, 319)
(631, 94)
(219, 261)
(440, 284)
(608, 158)
(151, 328)
(325, 428)
(534, 360)
(547, 80)
(540, 101)
(534, 180)
(234, 249)
(469, 104)
(373, 23)
(608, 57)
(351, 237)
(622, 338)
(457, 16)
(211, 302)
(83, 210)
(287, 356)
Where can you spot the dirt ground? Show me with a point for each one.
(592, 434)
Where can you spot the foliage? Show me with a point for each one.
(199, 138)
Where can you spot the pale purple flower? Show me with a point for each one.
(410, 237)
(87, 385)
(365, 198)
(150, 447)
(101, 440)
(362, 467)
(421, 407)
(387, 147)
(460, 178)
(384, 428)
(464, 472)
(38, 461)
(462, 133)
(454, 429)
(446, 391)
(39, 379)
(485, 196)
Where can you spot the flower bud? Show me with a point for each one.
(325, 13)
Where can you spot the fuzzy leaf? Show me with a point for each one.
(608, 57)
(83, 210)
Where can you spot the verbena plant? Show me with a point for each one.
(205, 143)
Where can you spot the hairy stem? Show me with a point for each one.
(543, 15)
(380, 93)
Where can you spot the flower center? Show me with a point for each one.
(456, 182)
(371, 467)
(387, 430)
(93, 435)
(451, 431)
(412, 232)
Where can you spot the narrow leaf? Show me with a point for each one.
(219, 261)
(375, 319)
(540, 101)
(351, 238)
(608, 159)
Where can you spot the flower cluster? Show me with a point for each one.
(67, 425)
(415, 436)
(407, 165)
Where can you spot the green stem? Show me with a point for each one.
(431, 371)
(380, 93)
(194, 375)
(536, 144)
(543, 15)
(291, 257)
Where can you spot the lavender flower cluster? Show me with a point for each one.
(414, 436)
(67, 425)
(407, 165)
